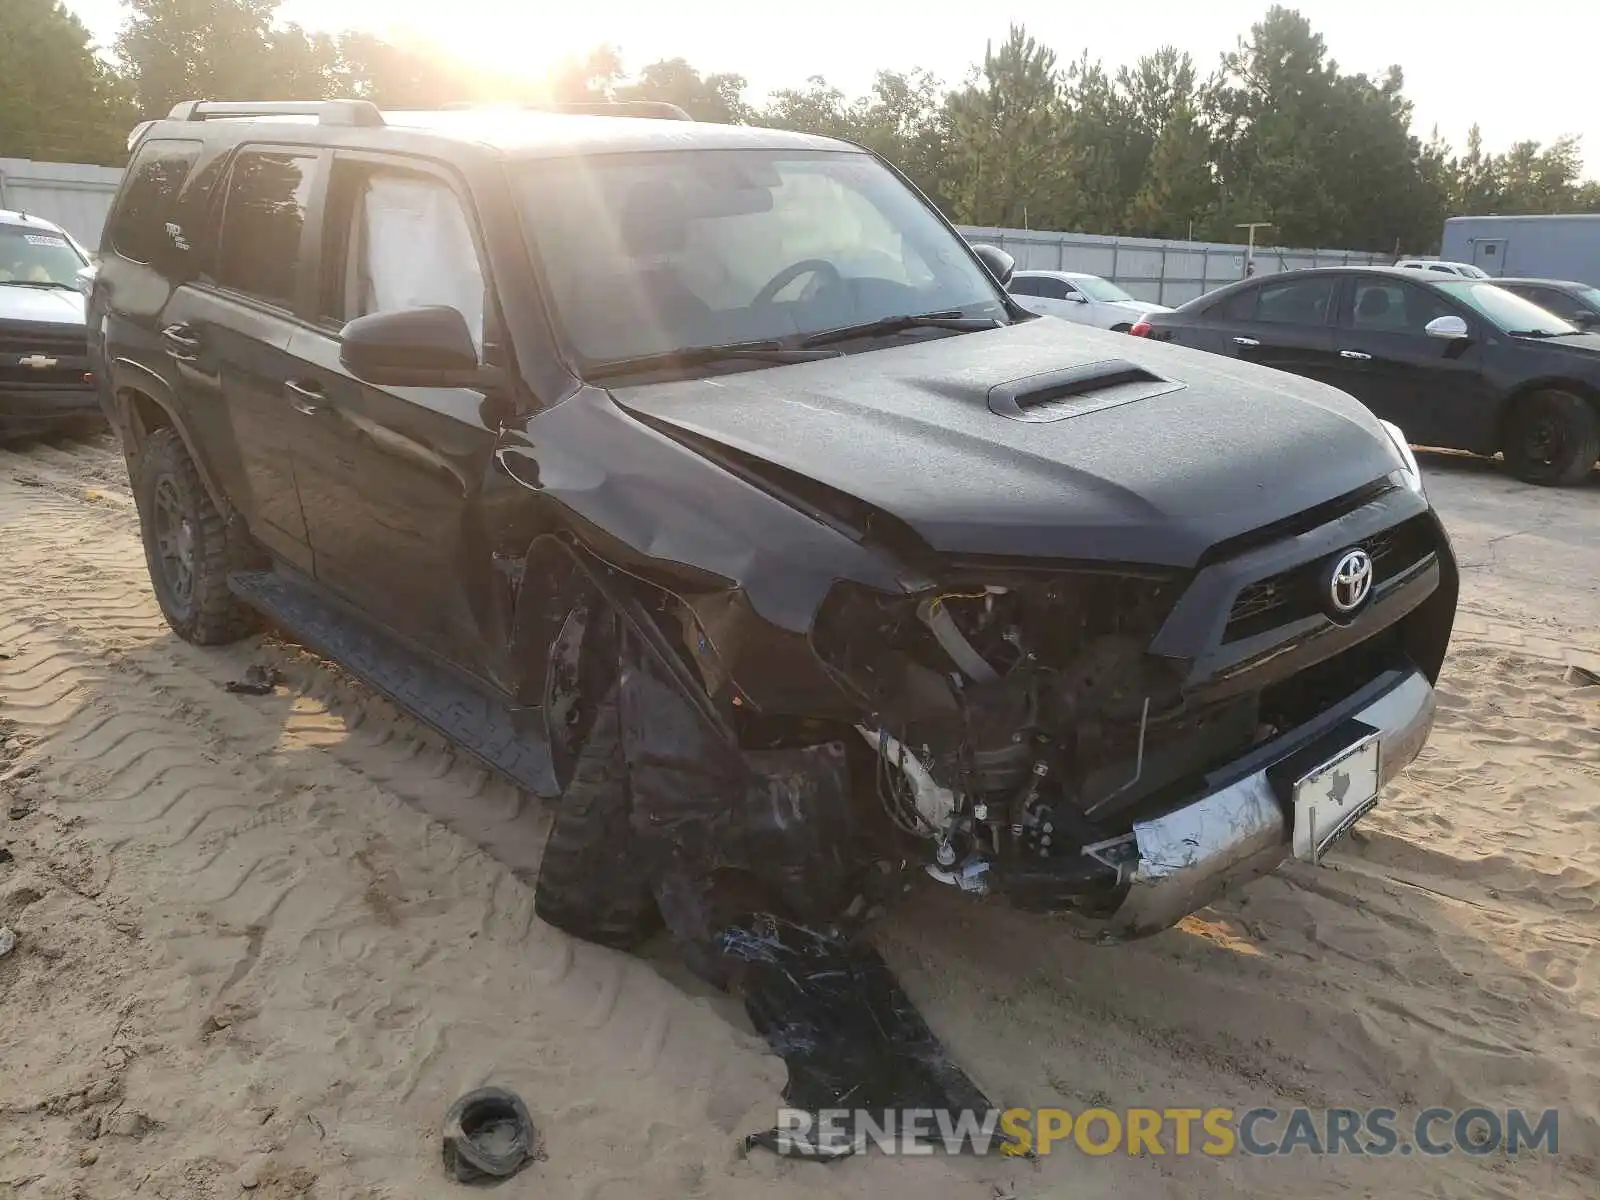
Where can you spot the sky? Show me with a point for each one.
(1465, 61)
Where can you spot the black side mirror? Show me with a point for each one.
(1001, 265)
(411, 347)
(1584, 319)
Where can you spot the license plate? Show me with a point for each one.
(1331, 799)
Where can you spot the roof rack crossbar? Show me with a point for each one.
(327, 112)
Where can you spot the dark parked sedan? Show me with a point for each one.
(1575, 303)
(1458, 363)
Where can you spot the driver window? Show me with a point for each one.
(407, 244)
(1392, 306)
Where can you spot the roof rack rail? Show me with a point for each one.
(327, 112)
(659, 109)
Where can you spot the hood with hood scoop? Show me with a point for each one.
(1041, 439)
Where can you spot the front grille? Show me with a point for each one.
(68, 347)
(1294, 594)
(56, 343)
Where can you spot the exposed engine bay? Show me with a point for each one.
(1015, 724)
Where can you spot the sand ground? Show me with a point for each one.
(265, 942)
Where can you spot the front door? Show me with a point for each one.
(390, 476)
(1433, 389)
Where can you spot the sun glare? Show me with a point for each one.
(523, 40)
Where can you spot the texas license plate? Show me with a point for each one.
(1332, 798)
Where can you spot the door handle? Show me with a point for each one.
(307, 398)
(181, 342)
(1244, 341)
(1355, 354)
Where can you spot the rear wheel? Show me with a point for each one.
(186, 546)
(591, 883)
(1552, 438)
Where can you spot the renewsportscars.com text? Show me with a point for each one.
(1217, 1132)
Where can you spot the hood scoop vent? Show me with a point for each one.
(1073, 391)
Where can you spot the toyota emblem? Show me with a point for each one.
(1350, 582)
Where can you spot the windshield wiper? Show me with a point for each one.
(1544, 333)
(39, 283)
(697, 356)
(885, 325)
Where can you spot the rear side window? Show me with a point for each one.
(1296, 302)
(1241, 306)
(1025, 287)
(148, 204)
(263, 216)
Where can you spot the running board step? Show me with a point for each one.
(506, 739)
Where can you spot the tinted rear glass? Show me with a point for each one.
(137, 229)
(262, 220)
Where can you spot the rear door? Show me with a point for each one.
(1281, 323)
(227, 334)
(1433, 389)
(390, 476)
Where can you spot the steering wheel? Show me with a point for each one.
(789, 274)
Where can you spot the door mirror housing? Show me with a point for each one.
(1077, 297)
(1000, 264)
(1449, 329)
(412, 347)
(1585, 319)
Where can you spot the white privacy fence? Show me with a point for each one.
(75, 196)
(1165, 272)
(78, 198)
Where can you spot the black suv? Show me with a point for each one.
(1466, 364)
(704, 478)
(44, 381)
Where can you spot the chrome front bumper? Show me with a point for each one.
(1189, 857)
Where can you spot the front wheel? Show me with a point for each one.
(186, 546)
(1552, 438)
(591, 883)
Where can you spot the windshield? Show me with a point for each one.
(1590, 297)
(1096, 288)
(1507, 312)
(38, 256)
(650, 253)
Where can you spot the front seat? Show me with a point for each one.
(1374, 306)
(650, 289)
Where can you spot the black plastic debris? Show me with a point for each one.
(851, 1037)
(5, 855)
(257, 681)
(488, 1136)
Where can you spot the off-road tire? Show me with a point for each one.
(1577, 426)
(210, 615)
(591, 883)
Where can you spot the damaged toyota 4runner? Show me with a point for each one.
(704, 479)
